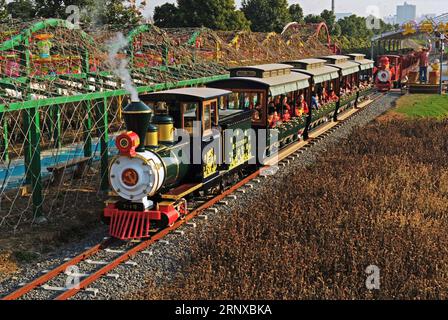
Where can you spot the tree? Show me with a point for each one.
(296, 13)
(57, 8)
(214, 14)
(311, 18)
(336, 30)
(22, 9)
(166, 16)
(117, 13)
(267, 15)
(329, 17)
(355, 27)
(3, 11)
(384, 27)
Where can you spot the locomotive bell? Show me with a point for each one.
(137, 117)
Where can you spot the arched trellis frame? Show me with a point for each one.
(318, 30)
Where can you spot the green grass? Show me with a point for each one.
(423, 106)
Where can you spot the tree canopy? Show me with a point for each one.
(355, 27)
(296, 13)
(267, 15)
(166, 16)
(21, 9)
(3, 11)
(214, 14)
(116, 12)
(311, 18)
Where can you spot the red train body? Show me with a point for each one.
(392, 69)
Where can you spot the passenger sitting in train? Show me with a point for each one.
(277, 117)
(286, 116)
(298, 111)
(325, 97)
(302, 106)
(271, 107)
(277, 103)
(256, 115)
(348, 88)
(315, 101)
(286, 105)
(333, 96)
(271, 120)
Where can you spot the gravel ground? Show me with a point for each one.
(163, 258)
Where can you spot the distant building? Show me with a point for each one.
(406, 12)
(340, 16)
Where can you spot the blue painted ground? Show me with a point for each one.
(12, 177)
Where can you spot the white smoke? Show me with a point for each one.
(120, 66)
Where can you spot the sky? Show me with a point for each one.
(359, 7)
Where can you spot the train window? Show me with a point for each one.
(234, 101)
(207, 117)
(214, 110)
(189, 116)
(258, 115)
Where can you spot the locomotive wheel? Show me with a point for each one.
(164, 222)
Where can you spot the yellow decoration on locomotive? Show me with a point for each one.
(241, 151)
(210, 163)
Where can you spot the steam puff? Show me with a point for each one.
(120, 66)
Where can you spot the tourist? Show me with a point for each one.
(424, 63)
(314, 101)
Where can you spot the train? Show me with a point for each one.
(187, 142)
(393, 69)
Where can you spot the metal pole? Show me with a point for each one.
(442, 38)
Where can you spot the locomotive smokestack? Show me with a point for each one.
(137, 117)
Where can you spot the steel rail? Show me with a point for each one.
(56, 271)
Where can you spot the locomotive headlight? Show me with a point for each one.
(384, 75)
(134, 178)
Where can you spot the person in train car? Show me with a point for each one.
(259, 111)
(286, 116)
(256, 115)
(298, 110)
(273, 116)
(324, 95)
(348, 87)
(303, 106)
(271, 107)
(285, 105)
(314, 101)
(333, 96)
(278, 103)
(271, 120)
(277, 117)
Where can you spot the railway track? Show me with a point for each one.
(112, 258)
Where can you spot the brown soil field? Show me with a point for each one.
(378, 198)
